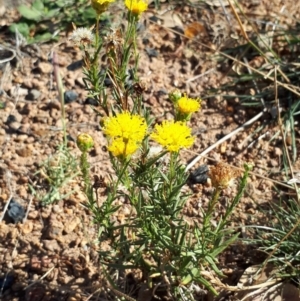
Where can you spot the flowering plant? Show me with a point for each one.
(155, 237)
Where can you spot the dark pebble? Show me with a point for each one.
(91, 101)
(16, 211)
(140, 27)
(11, 118)
(76, 65)
(70, 96)
(154, 19)
(107, 81)
(199, 175)
(70, 138)
(151, 52)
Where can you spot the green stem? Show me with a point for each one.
(211, 206)
(85, 167)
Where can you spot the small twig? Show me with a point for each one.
(120, 294)
(206, 151)
(11, 57)
(259, 138)
(28, 209)
(5, 207)
(8, 182)
(39, 280)
(200, 75)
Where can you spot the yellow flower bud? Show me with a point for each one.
(175, 95)
(85, 142)
(100, 6)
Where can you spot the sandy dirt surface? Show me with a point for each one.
(53, 254)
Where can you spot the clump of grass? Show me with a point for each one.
(274, 90)
(155, 238)
(58, 171)
(62, 167)
(280, 239)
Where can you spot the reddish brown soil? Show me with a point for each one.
(53, 254)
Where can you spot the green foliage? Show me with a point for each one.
(155, 238)
(58, 170)
(283, 227)
(41, 21)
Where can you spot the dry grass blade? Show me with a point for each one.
(213, 146)
(6, 50)
(291, 170)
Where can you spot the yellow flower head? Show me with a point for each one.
(136, 7)
(122, 148)
(126, 126)
(222, 175)
(85, 142)
(187, 105)
(173, 135)
(101, 6)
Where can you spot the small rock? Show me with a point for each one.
(14, 125)
(37, 83)
(68, 211)
(72, 224)
(277, 152)
(70, 96)
(274, 163)
(91, 101)
(16, 211)
(54, 229)
(68, 239)
(45, 67)
(17, 91)
(51, 245)
(33, 214)
(55, 114)
(13, 234)
(75, 65)
(55, 104)
(24, 152)
(27, 227)
(18, 80)
(4, 229)
(46, 211)
(28, 109)
(14, 117)
(10, 118)
(23, 180)
(199, 175)
(79, 81)
(33, 94)
(22, 137)
(57, 208)
(27, 83)
(151, 52)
